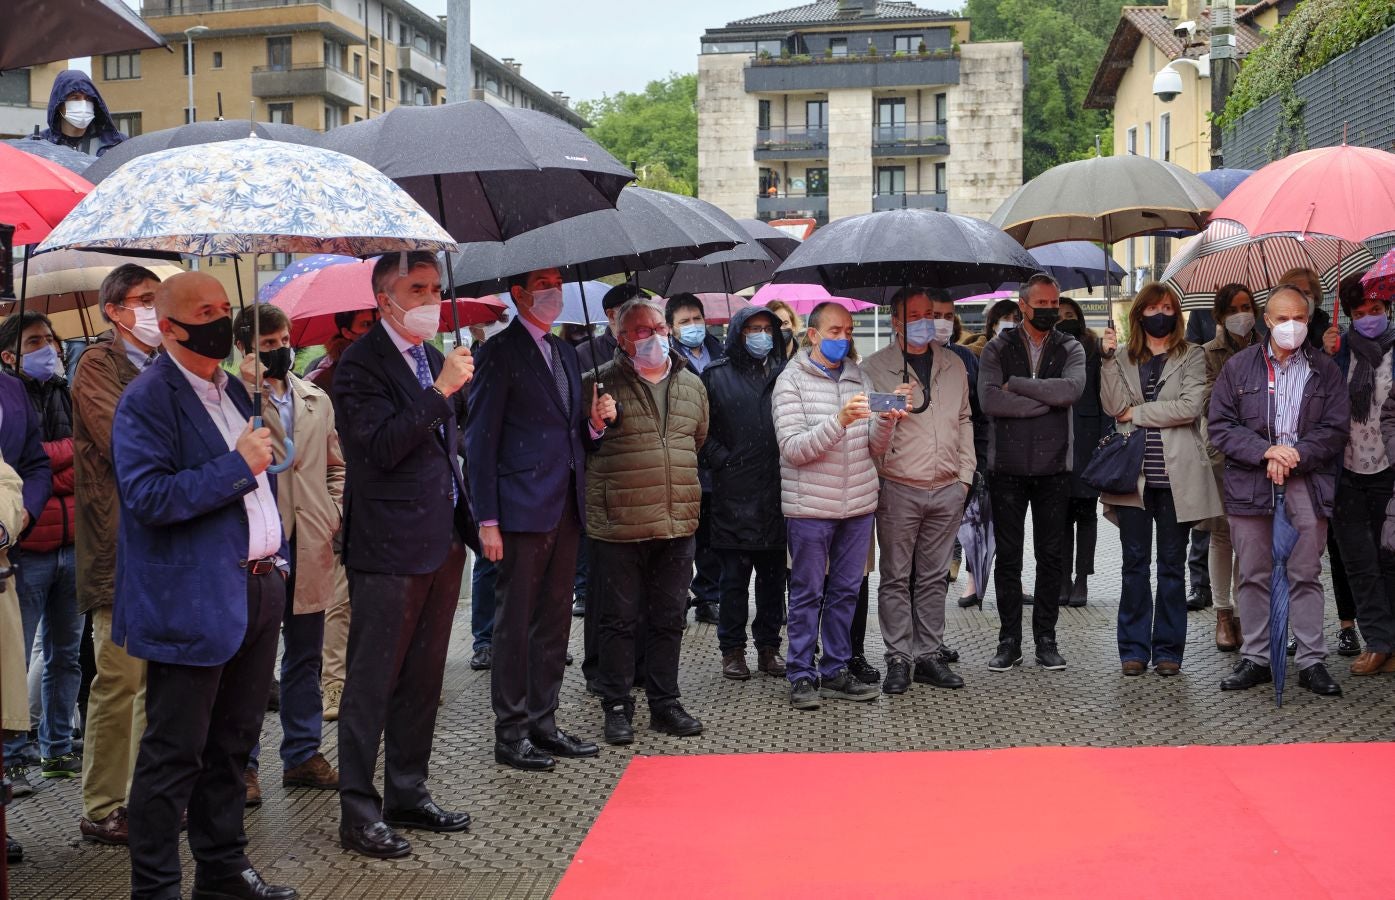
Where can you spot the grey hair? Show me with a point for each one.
(630, 306)
(392, 266)
(1024, 292)
(118, 282)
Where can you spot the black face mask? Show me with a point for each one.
(211, 340)
(1073, 327)
(1045, 319)
(787, 335)
(276, 363)
(1160, 325)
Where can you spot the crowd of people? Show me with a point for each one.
(165, 544)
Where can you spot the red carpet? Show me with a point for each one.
(1030, 823)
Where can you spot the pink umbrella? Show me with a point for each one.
(989, 298)
(719, 308)
(804, 297)
(1380, 281)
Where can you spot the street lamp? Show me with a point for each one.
(189, 35)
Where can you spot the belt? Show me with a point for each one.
(260, 566)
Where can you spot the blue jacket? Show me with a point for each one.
(21, 447)
(101, 134)
(181, 551)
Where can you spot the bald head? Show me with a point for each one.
(183, 304)
(179, 295)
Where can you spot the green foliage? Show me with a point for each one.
(655, 129)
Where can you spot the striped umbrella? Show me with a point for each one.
(1285, 536)
(1225, 253)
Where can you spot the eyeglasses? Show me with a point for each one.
(757, 329)
(644, 334)
(143, 301)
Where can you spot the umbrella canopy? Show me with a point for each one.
(249, 196)
(1222, 181)
(802, 298)
(777, 243)
(486, 173)
(192, 135)
(1285, 537)
(1225, 253)
(35, 194)
(1077, 265)
(68, 29)
(976, 537)
(726, 271)
(300, 267)
(990, 297)
(71, 272)
(67, 157)
(1380, 281)
(717, 309)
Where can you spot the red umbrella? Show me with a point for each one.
(719, 308)
(36, 194)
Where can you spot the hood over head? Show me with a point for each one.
(102, 132)
(736, 345)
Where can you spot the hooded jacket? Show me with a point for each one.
(741, 453)
(101, 133)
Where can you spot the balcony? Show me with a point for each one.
(938, 201)
(314, 79)
(910, 139)
(20, 119)
(831, 73)
(792, 205)
(792, 142)
(153, 8)
(422, 65)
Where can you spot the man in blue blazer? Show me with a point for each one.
(398, 403)
(201, 568)
(526, 439)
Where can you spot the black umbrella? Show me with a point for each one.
(67, 157)
(42, 31)
(777, 243)
(189, 135)
(725, 272)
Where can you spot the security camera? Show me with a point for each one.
(1167, 84)
(1184, 30)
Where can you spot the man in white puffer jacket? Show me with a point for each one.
(828, 437)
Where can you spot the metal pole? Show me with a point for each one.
(189, 64)
(450, 269)
(460, 79)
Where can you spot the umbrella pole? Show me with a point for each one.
(23, 292)
(591, 342)
(1108, 282)
(450, 270)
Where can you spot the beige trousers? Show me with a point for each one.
(336, 646)
(115, 722)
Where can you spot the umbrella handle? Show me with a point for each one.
(619, 407)
(288, 446)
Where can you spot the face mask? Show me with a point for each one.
(944, 330)
(147, 327)
(547, 305)
(1045, 319)
(1371, 326)
(211, 340)
(1006, 325)
(649, 353)
(1289, 335)
(494, 328)
(1240, 323)
(919, 332)
(759, 344)
(78, 113)
(786, 334)
(276, 363)
(42, 364)
(1073, 327)
(834, 350)
(1160, 325)
(692, 335)
(420, 321)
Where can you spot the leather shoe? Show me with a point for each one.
(559, 743)
(1369, 663)
(1134, 667)
(948, 654)
(707, 613)
(1246, 675)
(898, 676)
(111, 830)
(522, 755)
(482, 659)
(672, 718)
(1167, 668)
(968, 600)
(734, 665)
(579, 607)
(769, 661)
(1079, 592)
(245, 885)
(427, 817)
(1317, 679)
(14, 851)
(619, 727)
(375, 839)
(934, 671)
(253, 783)
(1009, 654)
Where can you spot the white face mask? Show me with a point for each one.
(146, 328)
(420, 321)
(493, 328)
(547, 305)
(1240, 324)
(944, 330)
(79, 113)
(1289, 335)
(1006, 325)
(650, 353)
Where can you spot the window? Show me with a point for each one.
(217, 59)
(373, 42)
(1165, 137)
(121, 66)
(373, 70)
(839, 46)
(905, 43)
(375, 102)
(334, 55)
(1148, 139)
(1131, 142)
(389, 85)
(816, 182)
(815, 114)
(334, 117)
(387, 31)
(127, 123)
(891, 179)
(941, 107)
(763, 115)
(281, 113)
(190, 57)
(774, 48)
(1129, 263)
(278, 53)
(891, 119)
(358, 66)
(941, 180)
(769, 182)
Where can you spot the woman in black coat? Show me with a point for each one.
(1090, 425)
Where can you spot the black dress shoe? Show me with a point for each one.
(1292, 648)
(1199, 599)
(898, 677)
(429, 817)
(375, 839)
(245, 885)
(1079, 592)
(707, 613)
(482, 659)
(569, 658)
(1048, 657)
(1317, 679)
(579, 607)
(1348, 644)
(933, 671)
(559, 743)
(619, 727)
(523, 755)
(969, 600)
(947, 654)
(672, 718)
(1246, 675)
(1028, 600)
(863, 671)
(14, 853)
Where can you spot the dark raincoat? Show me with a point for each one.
(101, 134)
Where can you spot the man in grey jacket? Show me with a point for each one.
(1028, 379)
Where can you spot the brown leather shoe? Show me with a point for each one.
(315, 772)
(1227, 631)
(1370, 663)
(108, 830)
(254, 787)
(734, 665)
(1133, 667)
(1168, 668)
(770, 661)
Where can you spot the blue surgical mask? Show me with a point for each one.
(650, 353)
(920, 332)
(42, 364)
(692, 335)
(1371, 326)
(834, 350)
(759, 344)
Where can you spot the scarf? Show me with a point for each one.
(1366, 354)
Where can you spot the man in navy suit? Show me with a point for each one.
(526, 437)
(201, 569)
(398, 402)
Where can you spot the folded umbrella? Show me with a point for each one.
(976, 537)
(1285, 537)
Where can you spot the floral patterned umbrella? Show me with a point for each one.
(249, 196)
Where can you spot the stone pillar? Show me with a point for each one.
(849, 152)
(727, 118)
(460, 80)
(985, 128)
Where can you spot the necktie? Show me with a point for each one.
(564, 391)
(426, 381)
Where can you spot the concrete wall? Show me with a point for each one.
(985, 128)
(727, 121)
(849, 153)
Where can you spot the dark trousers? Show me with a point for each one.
(581, 583)
(1356, 522)
(707, 567)
(641, 581)
(87, 658)
(302, 705)
(399, 631)
(1079, 539)
(590, 659)
(483, 583)
(1152, 629)
(857, 629)
(201, 723)
(772, 575)
(1199, 560)
(1341, 588)
(1049, 497)
(531, 624)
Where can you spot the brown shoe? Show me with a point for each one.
(334, 695)
(734, 665)
(315, 772)
(770, 661)
(1370, 663)
(1133, 667)
(1168, 668)
(254, 787)
(1227, 631)
(108, 830)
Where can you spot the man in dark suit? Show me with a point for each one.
(398, 402)
(526, 437)
(201, 565)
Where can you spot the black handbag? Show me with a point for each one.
(1116, 463)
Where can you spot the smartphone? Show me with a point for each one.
(879, 402)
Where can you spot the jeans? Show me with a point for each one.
(47, 586)
(1152, 628)
(818, 547)
(301, 701)
(1357, 518)
(771, 578)
(482, 580)
(1049, 497)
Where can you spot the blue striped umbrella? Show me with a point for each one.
(1285, 536)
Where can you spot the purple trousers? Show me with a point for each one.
(827, 559)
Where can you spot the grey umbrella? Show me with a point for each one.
(728, 271)
(777, 243)
(67, 157)
(189, 135)
(41, 31)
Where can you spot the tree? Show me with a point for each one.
(654, 131)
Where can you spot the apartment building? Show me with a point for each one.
(842, 107)
(24, 99)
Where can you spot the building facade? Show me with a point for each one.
(24, 99)
(843, 107)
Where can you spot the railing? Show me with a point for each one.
(936, 200)
(303, 66)
(831, 59)
(792, 137)
(909, 135)
(795, 204)
(185, 7)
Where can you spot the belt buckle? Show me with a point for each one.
(261, 566)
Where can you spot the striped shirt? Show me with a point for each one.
(1289, 380)
(1154, 465)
